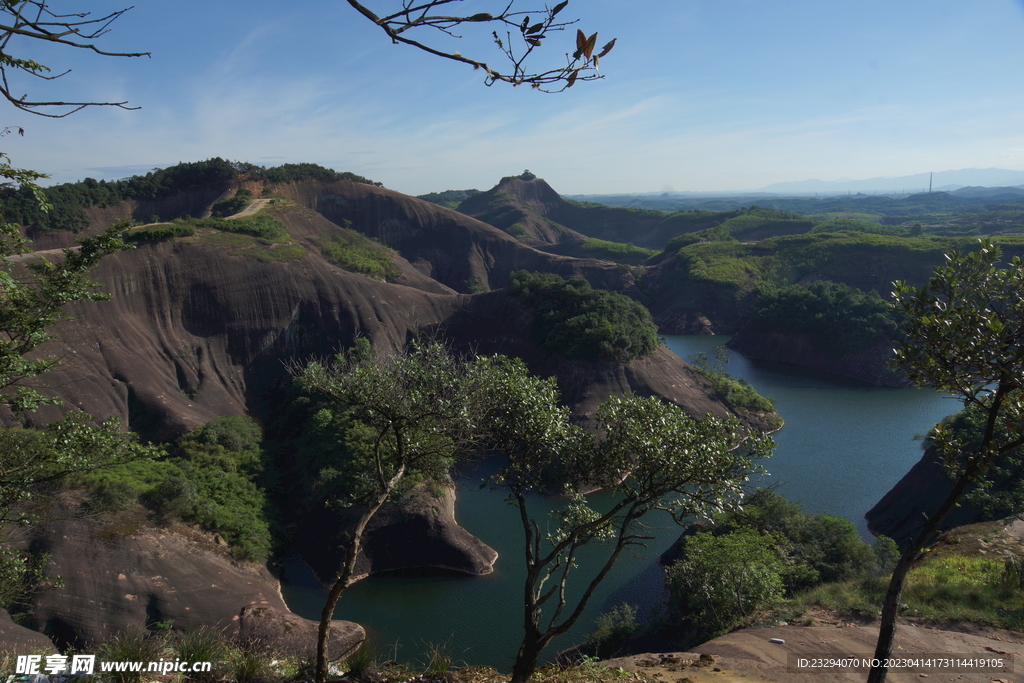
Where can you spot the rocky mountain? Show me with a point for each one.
(207, 324)
(529, 209)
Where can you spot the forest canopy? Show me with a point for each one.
(571, 320)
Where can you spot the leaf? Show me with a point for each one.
(559, 7)
(533, 41)
(607, 48)
(588, 47)
(536, 28)
(572, 79)
(581, 40)
(483, 16)
(526, 22)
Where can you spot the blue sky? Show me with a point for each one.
(698, 95)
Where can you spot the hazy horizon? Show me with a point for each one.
(698, 96)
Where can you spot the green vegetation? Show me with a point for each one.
(517, 230)
(724, 580)
(616, 251)
(159, 232)
(359, 254)
(476, 285)
(612, 630)
(294, 173)
(944, 587)
(942, 213)
(856, 225)
(837, 317)
(449, 199)
(571, 320)
(233, 205)
(208, 477)
(768, 555)
(69, 199)
(785, 260)
(736, 392)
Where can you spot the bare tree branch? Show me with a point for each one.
(518, 34)
(34, 19)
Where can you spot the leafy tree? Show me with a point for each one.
(518, 33)
(964, 336)
(653, 456)
(420, 410)
(725, 579)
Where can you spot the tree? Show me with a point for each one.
(419, 410)
(965, 337)
(518, 33)
(653, 456)
(35, 19)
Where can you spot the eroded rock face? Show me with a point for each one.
(900, 514)
(869, 365)
(419, 531)
(120, 576)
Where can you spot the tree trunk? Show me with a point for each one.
(526, 659)
(891, 606)
(343, 581)
(890, 610)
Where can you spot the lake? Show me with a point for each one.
(844, 445)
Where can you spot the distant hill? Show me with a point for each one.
(986, 177)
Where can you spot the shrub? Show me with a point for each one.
(723, 580)
(162, 231)
(614, 628)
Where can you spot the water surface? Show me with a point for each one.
(844, 445)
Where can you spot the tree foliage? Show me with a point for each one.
(837, 317)
(651, 456)
(67, 201)
(517, 34)
(964, 336)
(725, 579)
(417, 411)
(571, 320)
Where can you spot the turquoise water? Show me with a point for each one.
(844, 445)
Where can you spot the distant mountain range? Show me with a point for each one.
(945, 181)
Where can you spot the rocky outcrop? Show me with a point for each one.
(545, 219)
(15, 639)
(901, 512)
(193, 332)
(419, 531)
(870, 364)
(495, 323)
(120, 575)
(284, 633)
(446, 245)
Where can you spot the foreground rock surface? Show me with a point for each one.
(121, 576)
(749, 656)
(281, 632)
